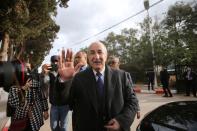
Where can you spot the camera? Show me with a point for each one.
(50, 67)
(12, 71)
(54, 67)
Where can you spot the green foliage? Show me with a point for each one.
(30, 20)
(40, 45)
(174, 41)
(177, 24)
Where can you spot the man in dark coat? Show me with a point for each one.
(114, 63)
(58, 94)
(100, 97)
(164, 77)
(190, 79)
(150, 74)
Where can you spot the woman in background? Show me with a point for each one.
(27, 100)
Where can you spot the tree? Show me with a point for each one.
(190, 36)
(131, 43)
(111, 44)
(4, 46)
(144, 48)
(174, 24)
(161, 44)
(174, 40)
(40, 45)
(27, 19)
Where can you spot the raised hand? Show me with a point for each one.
(66, 66)
(27, 85)
(46, 68)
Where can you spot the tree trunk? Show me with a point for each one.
(11, 52)
(18, 56)
(4, 47)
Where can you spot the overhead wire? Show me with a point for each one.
(122, 21)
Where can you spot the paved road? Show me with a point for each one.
(148, 101)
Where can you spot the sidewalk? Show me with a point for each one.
(140, 88)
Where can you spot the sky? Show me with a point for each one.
(85, 18)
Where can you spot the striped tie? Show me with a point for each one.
(100, 84)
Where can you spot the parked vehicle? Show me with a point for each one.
(174, 116)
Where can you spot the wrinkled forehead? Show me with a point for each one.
(97, 46)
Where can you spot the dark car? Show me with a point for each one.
(174, 116)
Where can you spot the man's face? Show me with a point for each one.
(114, 64)
(80, 58)
(97, 56)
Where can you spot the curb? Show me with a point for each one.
(159, 91)
(7, 125)
(137, 89)
(156, 91)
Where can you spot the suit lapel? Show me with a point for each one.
(109, 87)
(91, 88)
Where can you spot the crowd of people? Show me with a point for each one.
(100, 97)
(189, 78)
(99, 93)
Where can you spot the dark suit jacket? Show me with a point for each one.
(120, 100)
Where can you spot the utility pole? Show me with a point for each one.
(146, 5)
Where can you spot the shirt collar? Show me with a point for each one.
(84, 67)
(102, 71)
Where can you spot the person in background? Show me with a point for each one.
(92, 94)
(27, 101)
(44, 82)
(164, 78)
(80, 59)
(150, 75)
(190, 78)
(114, 63)
(28, 66)
(58, 95)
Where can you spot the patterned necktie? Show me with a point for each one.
(100, 84)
